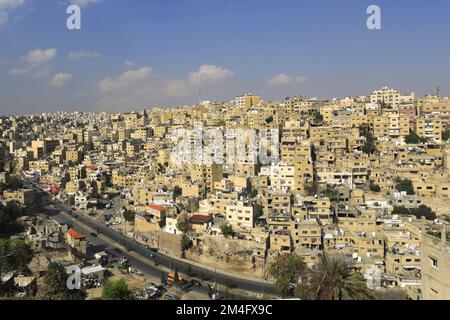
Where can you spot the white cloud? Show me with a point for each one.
(83, 3)
(60, 79)
(18, 71)
(208, 73)
(125, 80)
(41, 72)
(283, 79)
(142, 88)
(84, 54)
(177, 88)
(36, 64)
(37, 57)
(130, 63)
(6, 6)
(35, 73)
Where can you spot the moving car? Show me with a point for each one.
(151, 254)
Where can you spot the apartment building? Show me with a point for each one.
(281, 176)
(306, 234)
(208, 174)
(391, 97)
(242, 215)
(429, 127)
(435, 264)
(247, 101)
(23, 197)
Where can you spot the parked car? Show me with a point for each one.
(171, 296)
(196, 283)
(187, 287)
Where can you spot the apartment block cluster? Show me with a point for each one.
(332, 190)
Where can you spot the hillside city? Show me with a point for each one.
(245, 199)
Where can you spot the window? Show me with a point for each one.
(434, 262)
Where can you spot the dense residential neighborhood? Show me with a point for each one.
(248, 198)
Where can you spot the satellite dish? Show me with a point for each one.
(355, 255)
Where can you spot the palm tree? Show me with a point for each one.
(334, 279)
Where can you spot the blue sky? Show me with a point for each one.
(135, 54)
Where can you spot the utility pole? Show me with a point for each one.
(262, 278)
(215, 278)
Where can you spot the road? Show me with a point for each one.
(137, 254)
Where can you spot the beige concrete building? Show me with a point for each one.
(390, 97)
(435, 265)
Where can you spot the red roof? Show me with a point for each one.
(76, 234)
(157, 207)
(197, 218)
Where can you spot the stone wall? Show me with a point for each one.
(230, 254)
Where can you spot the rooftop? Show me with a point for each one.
(76, 235)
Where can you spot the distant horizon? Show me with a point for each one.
(138, 109)
(162, 53)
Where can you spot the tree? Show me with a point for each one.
(364, 130)
(311, 188)
(8, 220)
(446, 135)
(318, 117)
(15, 255)
(183, 224)
(402, 211)
(95, 192)
(128, 215)
(424, 211)
(176, 278)
(14, 183)
(331, 193)
(185, 227)
(269, 119)
(227, 230)
(177, 191)
(334, 279)
(369, 146)
(287, 270)
(55, 285)
(72, 200)
(412, 138)
(116, 290)
(3, 187)
(404, 185)
(186, 243)
(374, 187)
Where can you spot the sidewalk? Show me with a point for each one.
(189, 262)
(218, 271)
